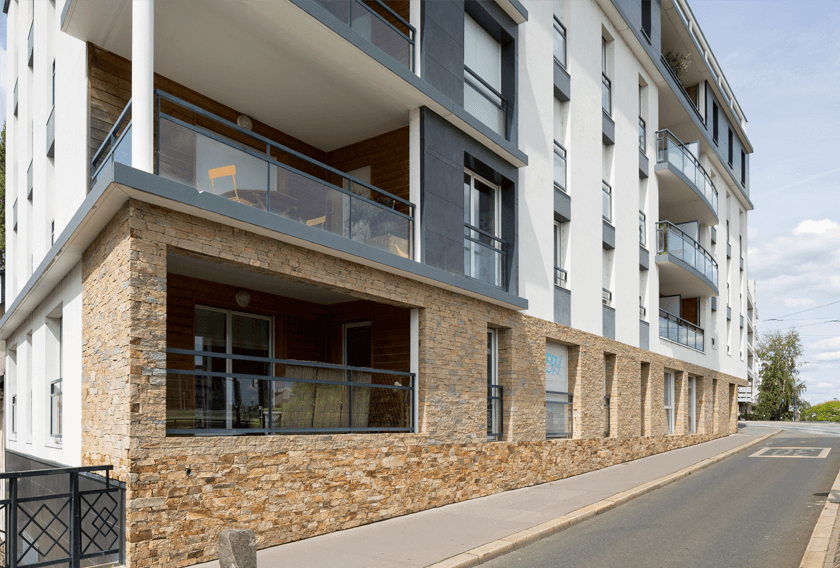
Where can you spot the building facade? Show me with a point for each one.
(748, 395)
(299, 266)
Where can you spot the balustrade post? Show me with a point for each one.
(350, 400)
(75, 522)
(12, 528)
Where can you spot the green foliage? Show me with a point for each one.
(3, 198)
(678, 62)
(826, 412)
(780, 385)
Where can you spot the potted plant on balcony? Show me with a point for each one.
(679, 62)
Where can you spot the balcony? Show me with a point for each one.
(304, 359)
(686, 191)
(485, 102)
(680, 331)
(685, 267)
(484, 256)
(214, 155)
(378, 24)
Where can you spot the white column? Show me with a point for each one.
(142, 84)
(416, 16)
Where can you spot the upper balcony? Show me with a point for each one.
(685, 267)
(202, 150)
(686, 191)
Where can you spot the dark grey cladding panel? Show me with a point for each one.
(562, 83)
(644, 258)
(562, 306)
(446, 151)
(644, 335)
(562, 206)
(608, 129)
(609, 321)
(443, 47)
(608, 236)
(644, 164)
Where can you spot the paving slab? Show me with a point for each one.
(421, 539)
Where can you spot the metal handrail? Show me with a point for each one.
(501, 106)
(661, 156)
(55, 471)
(484, 234)
(111, 136)
(382, 4)
(663, 247)
(684, 92)
(232, 125)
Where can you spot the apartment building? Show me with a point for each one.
(748, 395)
(302, 265)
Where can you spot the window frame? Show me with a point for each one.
(606, 190)
(731, 148)
(496, 407)
(497, 227)
(715, 123)
(56, 414)
(642, 228)
(561, 153)
(668, 403)
(561, 277)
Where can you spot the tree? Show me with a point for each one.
(3, 198)
(780, 384)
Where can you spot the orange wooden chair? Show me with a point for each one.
(224, 171)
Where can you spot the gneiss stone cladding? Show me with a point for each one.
(290, 487)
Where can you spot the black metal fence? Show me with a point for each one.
(47, 526)
(495, 410)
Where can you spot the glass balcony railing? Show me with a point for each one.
(559, 43)
(222, 158)
(378, 24)
(606, 95)
(680, 331)
(671, 240)
(670, 150)
(484, 102)
(484, 256)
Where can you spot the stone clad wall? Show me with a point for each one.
(290, 487)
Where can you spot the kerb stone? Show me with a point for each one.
(237, 549)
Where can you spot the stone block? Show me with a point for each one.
(237, 549)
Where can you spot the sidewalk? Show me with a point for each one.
(425, 538)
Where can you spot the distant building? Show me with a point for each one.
(748, 395)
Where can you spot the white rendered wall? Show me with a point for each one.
(66, 300)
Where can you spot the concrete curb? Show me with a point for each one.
(818, 547)
(521, 539)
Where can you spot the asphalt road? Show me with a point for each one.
(745, 512)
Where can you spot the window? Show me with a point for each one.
(53, 84)
(482, 230)
(606, 93)
(743, 168)
(14, 414)
(558, 396)
(494, 391)
(646, 19)
(642, 135)
(52, 233)
(607, 201)
(669, 402)
(642, 231)
(560, 275)
(730, 148)
(559, 166)
(692, 401)
(715, 122)
(559, 42)
(483, 76)
(606, 409)
(55, 410)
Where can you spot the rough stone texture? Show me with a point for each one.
(237, 549)
(285, 488)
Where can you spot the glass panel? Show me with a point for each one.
(559, 45)
(122, 151)
(55, 409)
(675, 244)
(210, 406)
(559, 168)
(606, 94)
(249, 337)
(607, 205)
(476, 102)
(558, 414)
(379, 33)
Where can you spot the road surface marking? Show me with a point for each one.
(797, 452)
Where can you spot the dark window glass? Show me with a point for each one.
(743, 168)
(730, 146)
(646, 17)
(715, 122)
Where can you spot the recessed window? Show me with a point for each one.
(483, 248)
(646, 18)
(483, 76)
(669, 402)
(730, 148)
(606, 201)
(559, 166)
(494, 390)
(558, 396)
(743, 168)
(642, 228)
(606, 90)
(715, 122)
(560, 275)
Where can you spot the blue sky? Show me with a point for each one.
(782, 60)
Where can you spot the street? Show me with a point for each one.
(747, 511)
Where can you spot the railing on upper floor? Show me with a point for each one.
(673, 241)
(495, 410)
(218, 156)
(222, 394)
(484, 256)
(379, 24)
(485, 102)
(684, 92)
(670, 150)
(560, 277)
(559, 42)
(680, 331)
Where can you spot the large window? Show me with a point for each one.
(692, 401)
(560, 275)
(669, 402)
(56, 385)
(483, 248)
(607, 201)
(558, 398)
(606, 100)
(483, 76)
(494, 390)
(14, 415)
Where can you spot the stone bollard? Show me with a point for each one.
(237, 549)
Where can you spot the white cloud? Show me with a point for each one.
(816, 227)
(799, 303)
(827, 356)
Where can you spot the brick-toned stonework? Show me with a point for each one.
(291, 487)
